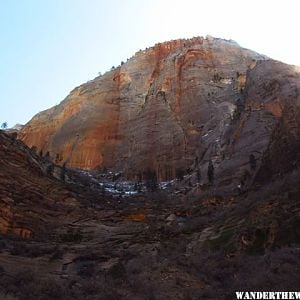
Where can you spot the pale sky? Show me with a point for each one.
(47, 47)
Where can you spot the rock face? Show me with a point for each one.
(175, 108)
(152, 112)
(273, 91)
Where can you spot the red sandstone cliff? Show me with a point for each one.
(174, 106)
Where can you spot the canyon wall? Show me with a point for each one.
(170, 108)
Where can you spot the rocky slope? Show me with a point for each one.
(62, 238)
(30, 200)
(163, 109)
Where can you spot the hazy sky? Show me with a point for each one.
(47, 47)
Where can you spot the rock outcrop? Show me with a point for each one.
(161, 110)
(177, 108)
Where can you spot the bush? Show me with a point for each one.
(71, 237)
(86, 269)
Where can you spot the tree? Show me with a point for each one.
(151, 180)
(34, 148)
(50, 169)
(246, 176)
(252, 161)
(116, 176)
(210, 171)
(63, 172)
(240, 107)
(198, 174)
(57, 158)
(14, 135)
(179, 174)
(4, 125)
(139, 177)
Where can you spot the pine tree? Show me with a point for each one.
(210, 171)
(4, 125)
(252, 161)
(63, 172)
(198, 174)
(151, 180)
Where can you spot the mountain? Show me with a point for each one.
(85, 212)
(164, 108)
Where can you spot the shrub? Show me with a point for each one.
(71, 237)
